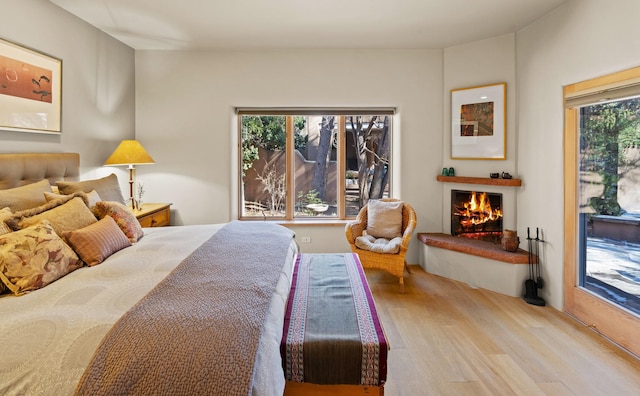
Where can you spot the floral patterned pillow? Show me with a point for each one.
(34, 257)
(122, 215)
(5, 213)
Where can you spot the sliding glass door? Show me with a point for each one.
(609, 196)
(602, 205)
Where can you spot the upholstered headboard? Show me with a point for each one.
(23, 168)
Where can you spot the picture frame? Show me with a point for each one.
(30, 90)
(478, 122)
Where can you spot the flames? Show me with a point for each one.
(477, 211)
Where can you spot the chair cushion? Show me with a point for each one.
(379, 245)
(384, 219)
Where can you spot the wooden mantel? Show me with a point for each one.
(480, 180)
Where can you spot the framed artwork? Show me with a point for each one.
(30, 90)
(478, 122)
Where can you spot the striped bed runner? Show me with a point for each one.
(332, 334)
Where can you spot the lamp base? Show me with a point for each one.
(132, 172)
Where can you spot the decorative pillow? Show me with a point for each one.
(24, 197)
(64, 217)
(90, 198)
(123, 217)
(17, 216)
(107, 187)
(34, 257)
(95, 242)
(379, 245)
(5, 213)
(384, 219)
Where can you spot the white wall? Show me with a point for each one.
(484, 62)
(98, 84)
(579, 41)
(184, 117)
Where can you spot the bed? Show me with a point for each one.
(59, 338)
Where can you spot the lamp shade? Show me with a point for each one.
(129, 152)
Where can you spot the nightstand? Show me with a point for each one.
(154, 214)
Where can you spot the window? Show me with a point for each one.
(312, 164)
(602, 205)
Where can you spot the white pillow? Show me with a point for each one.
(384, 219)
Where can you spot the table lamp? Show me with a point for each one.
(130, 153)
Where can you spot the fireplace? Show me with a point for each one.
(476, 215)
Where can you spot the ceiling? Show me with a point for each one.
(285, 24)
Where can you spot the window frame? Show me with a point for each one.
(610, 320)
(290, 113)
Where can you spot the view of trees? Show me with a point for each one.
(371, 143)
(319, 183)
(608, 131)
(375, 146)
(269, 133)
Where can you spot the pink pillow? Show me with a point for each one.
(123, 217)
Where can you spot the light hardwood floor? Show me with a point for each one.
(448, 338)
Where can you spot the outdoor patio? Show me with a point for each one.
(615, 269)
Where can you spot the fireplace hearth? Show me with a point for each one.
(476, 215)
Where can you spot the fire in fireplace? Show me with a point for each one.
(476, 215)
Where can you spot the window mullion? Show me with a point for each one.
(341, 168)
(289, 174)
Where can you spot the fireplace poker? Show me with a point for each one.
(530, 253)
(539, 281)
(530, 285)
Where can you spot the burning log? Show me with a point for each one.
(476, 211)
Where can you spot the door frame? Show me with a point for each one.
(603, 316)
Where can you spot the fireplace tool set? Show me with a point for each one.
(535, 281)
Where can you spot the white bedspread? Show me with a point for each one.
(48, 336)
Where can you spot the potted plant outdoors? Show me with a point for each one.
(315, 204)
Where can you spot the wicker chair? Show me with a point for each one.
(395, 264)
